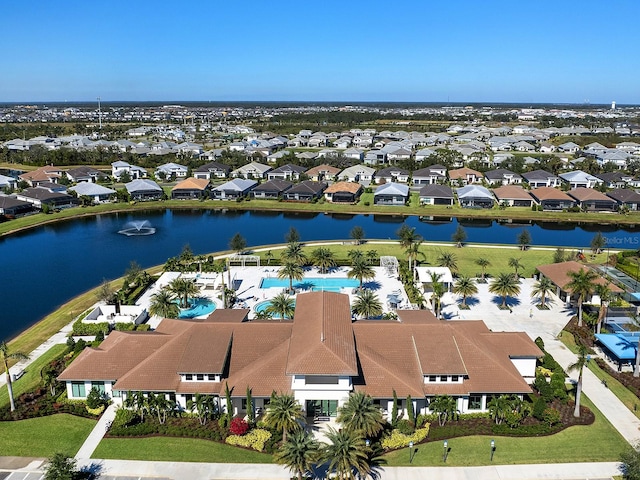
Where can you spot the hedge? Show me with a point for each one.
(399, 440)
(255, 439)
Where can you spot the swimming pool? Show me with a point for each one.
(262, 306)
(314, 284)
(199, 306)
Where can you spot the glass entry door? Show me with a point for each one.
(322, 408)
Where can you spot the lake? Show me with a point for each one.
(46, 266)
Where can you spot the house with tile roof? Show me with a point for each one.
(191, 189)
(319, 357)
(592, 200)
(11, 207)
(429, 175)
(253, 170)
(286, 172)
(212, 170)
(322, 172)
(47, 173)
(502, 176)
(552, 198)
(558, 273)
(465, 176)
(436, 195)
(625, 197)
(541, 178)
(343, 192)
(305, 191)
(392, 174)
(271, 189)
(513, 196)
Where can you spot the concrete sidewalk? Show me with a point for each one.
(97, 434)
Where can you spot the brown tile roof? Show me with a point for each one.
(558, 273)
(548, 193)
(416, 316)
(41, 174)
(192, 184)
(322, 337)
(326, 169)
(350, 187)
(463, 172)
(228, 315)
(581, 194)
(511, 192)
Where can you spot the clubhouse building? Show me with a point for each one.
(320, 357)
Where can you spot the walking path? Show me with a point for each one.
(97, 434)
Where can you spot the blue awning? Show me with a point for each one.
(621, 345)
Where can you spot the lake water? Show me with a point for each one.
(46, 266)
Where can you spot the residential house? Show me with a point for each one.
(271, 189)
(434, 194)
(568, 147)
(354, 153)
(552, 199)
(513, 196)
(391, 194)
(625, 198)
(319, 358)
(212, 170)
(191, 189)
(343, 192)
(358, 173)
(580, 179)
(253, 170)
(392, 174)
(541, 178)
(465, 176)
(429, 175)
(322, 172)
(97, 193)
(120, 167)
(143, 189)
(305, 191)
(616, 179)
(40, 196)
(8, 183)
(84, 174)
(47, 173)
(558, 273)
(286, 172)
(474, 196)
(375, 157)
(11, 207)
(171, 170)
(233, 189)
(502, 176)
(423, 154)
(592, 200)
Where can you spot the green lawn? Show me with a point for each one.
(31, 379)
(42, 437)
(599, 442)
(176, 450)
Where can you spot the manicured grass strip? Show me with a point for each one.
(31, 379)
(598, 442)
(176, 450)
(42, 437)
(625, 395)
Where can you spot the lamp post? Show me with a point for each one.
(410, 452)
(493, 448)
(446, 451)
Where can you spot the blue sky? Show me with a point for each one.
(465, 51)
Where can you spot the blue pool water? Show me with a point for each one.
(199, 307)
(262, 306)
(312, 284)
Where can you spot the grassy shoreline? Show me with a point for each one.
(513, 213)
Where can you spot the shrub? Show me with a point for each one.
(80, 328)
(539, 406)
(405, 426)
(96, 399)
(399, 440)
(540, 343)
(558, 386)
(124, 327)
(256, 439)
(551, 416)
(238, 426)
(96, 411)
(544, 388)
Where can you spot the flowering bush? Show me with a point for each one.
(399, 440)
(255, 439)
(238, 426)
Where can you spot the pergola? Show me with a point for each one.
(390, 264)
(244, 260)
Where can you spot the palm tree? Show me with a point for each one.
(505, 284)
(515, 264)
(299, 453)
(323, 258)
(359, 414)
(204, 406)
(268, 256)
(499, 407)
(372, 256)
(604, 292)
(449, 260)
(465, 286)
(293, 253)
(346, 452)
(138, 401)
(542, 288)
(445, 407)
(437, 292)
(582, 285)
(219, 267)
(579, 365)
(162, 304)
(6, 355)
(483, 263)
(284, 413)
(361, 270)
(367, 304)
(408, 237)
(281, 306)
(292, 271)
(355, 255)
(413, 251)
(183, 289)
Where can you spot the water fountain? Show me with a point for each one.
(137, 228)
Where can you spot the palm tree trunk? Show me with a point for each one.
(9, 387)
(542, 298)
(580, 311)
(464, 300)
(504, 301)
(576, 411)
(636, 369)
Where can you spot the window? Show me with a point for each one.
(98, 386)
(433, 378)
(188, 376)
(475, 402)
(115, 393)
(78, 390)
(200, 376)
(244, 404)
(454, 378)
(443, 378)
(212, 377)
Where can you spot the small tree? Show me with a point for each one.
(445, 407)
(483, 263)
(524, 239)
(459, 236)
(597, 243)
(630, 463)
(251, 414)
(410, 411)
(357, 234)
(394, 409)
(95, 398)
(237, 243)
(61, 467)
(558, 255)
(292, 236)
